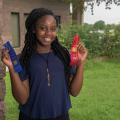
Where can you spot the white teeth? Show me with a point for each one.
(47, 39)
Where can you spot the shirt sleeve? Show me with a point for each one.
(73, 70)
(23, 75)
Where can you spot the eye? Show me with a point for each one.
(46, 28)
(42, 28)
(53, 29)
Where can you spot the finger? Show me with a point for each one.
(82, 44)
(5, 49)
(5, 53)
(81, 47)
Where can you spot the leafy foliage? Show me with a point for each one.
(105, 42)
(92, 3)
(99, 25)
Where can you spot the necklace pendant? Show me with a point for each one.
(49, 84)
(48, 77)
(49, 80)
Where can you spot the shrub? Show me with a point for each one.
(98, 42)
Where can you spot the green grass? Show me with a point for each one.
(11, 104)
(99, 98)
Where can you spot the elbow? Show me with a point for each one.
(21, 100)
(24, 100)
(74, 94)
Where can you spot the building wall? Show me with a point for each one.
(24, 7)
(1, 11)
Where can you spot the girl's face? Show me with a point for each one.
(45, 30)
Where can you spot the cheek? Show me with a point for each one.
(40, 33)
(43, 34)
(54, 34)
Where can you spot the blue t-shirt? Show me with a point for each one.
(46, 101)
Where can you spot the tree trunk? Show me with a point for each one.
(74, 14)
(2, 71)
(2, 86)
(78, 12)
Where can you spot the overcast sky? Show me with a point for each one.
(100, 13)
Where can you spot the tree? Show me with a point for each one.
(78, 10)
(99, 25)
(2, 71)
(2, 85)
(80, 5)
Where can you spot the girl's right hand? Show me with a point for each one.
(6, 58)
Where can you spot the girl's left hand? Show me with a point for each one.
(82, 53)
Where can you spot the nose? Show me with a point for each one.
(48, 31)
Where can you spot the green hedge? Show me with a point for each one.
(104, 42)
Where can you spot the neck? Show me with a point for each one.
(43, 49)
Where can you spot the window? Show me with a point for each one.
(25, 17)
(58, 19)
(15, 29)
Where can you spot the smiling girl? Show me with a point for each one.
(43, 89)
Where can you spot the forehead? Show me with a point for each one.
(47, 20)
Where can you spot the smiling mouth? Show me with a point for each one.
(47, 39)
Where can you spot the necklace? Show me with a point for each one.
(48, 77)
(45, 58)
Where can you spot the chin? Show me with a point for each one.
(46, 43)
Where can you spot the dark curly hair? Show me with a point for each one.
(30, 40)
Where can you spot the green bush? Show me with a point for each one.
(98, 42)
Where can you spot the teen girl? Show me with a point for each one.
(43, 89)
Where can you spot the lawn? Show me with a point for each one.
(99, 98)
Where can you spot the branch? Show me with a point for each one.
(108, 3)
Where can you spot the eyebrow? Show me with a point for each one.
(47, 25)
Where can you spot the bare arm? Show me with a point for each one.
(77, 80)
(20, 89)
